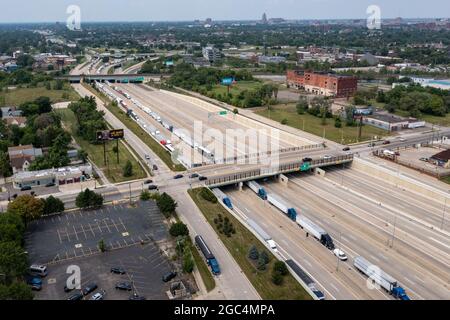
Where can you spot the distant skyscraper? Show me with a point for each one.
(264, 18)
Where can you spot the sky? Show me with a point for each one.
(188, 10)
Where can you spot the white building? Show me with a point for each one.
(211, 54)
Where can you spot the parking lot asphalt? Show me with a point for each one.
(144, 266)
(77, 234)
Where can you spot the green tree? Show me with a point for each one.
(264, 256)
(128, 169)
(277, 279)
(145, 196)
(102, 245)
(281, 268)
(302, 105)
(27, 207)
(88, 199)
(53, 205)
(253, 253)
(13, 260)
(5, 167)
(338, 122)
(179, 229)
(284, 121)
(188, 261)
(261, 265)
(83, 155)
(166, 204)
(16, 291)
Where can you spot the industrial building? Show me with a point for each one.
(391, 123)
(325, 84)
(211, 54)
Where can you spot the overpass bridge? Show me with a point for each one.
(228, 178)
(113, 78)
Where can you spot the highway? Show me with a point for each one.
(232, 283)
(415, 255)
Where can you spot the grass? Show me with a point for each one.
(162, 153)
(203, 269)
(15, 97)
(446, 179)
(113, 171)
(237, 88)
(345, 135)
(239, 244)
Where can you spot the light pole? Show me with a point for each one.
(443, 214)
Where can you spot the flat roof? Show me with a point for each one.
(387, 118)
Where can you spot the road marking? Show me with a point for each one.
(334, 287)
(59, 236)
(308, 263)
(409, 280)
(75, 232)
(93, 233)
(437, 241)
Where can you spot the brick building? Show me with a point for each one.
(324, 84)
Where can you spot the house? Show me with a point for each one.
(8, 112)
(17, 121)
(442, 158)
(21, 157)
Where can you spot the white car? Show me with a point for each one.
(99, 295)
(327, 157)
(340, 254)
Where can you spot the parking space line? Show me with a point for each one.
(67, 255)
(59, 236)
(93, 233)
(98, 225)
(59, 218)
(75, 232)
(126, 243)
(84, 232)
(106, 224)
(118, 244)
(115, 225)
(74, 252)
(67, 234)
(123, 225)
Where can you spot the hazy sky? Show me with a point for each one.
(165, 10)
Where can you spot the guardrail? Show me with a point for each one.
(282, 168)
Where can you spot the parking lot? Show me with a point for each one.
(77, 234)
(144, 266)
(418, 158)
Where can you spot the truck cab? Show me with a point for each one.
(399, 293)
(214, 266)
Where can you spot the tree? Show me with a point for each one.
(16, 291)
(302, 105)
(261, 265)
(145, 196)
(166, 204)
(88, 199)
(349, 116)
(281, 268)
(102, 245)
(188, 262)
(264, 256)
(27, 207)
(5, 167)
(128, 169)
(208, 195)
(338, 122)
(53, 205)
(179, 229)
(13, 260)
(253, 253)
(82, 155)
(277, 278)
(284, 121)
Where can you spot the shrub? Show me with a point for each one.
(207, 195)
(253, 253)
(179, 229)
(277, 278)
(280, 267)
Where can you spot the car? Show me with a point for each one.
(118, 270)
(152, 187)
(67, 289)
(136, 297)
(178, 176)
(124, 286)
(36, 287)
(386, 142)
(372, 144)
(155, 167)
(202, 178)
(89, 288)
(51, 184)
(99, 295)
(307, 159)
(25, 188)
(340, 254)
(346, 149)
(169, 276)
(76, 296)
(194, 175)
(319, 295)
(147, 157)
(424, 159)
(402, 139)
(327, 157)
(33, 280)
(148, 181)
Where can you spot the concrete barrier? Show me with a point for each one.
(319, 172)
(400, 180)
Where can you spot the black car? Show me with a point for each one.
(152, 187)
(51, 184)
(89, 288)
(76, 296)
(194, 175)
(178, 176)
(136, 297)
(148, 181)
(346, 149)
(124, 286)
(155, 167)
(202, 178)
(307, 159)
(169, 276)
(118, 270)
(25, 188)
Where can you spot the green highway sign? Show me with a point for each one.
(305, 166)
(223, 113)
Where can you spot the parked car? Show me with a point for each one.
(340, 254)
(36, 287)
(372, 144)
(124, 286)
(25, 188)
(178, 176)
(194, 175)
(99, 295)
(327, 157)
(76, 296)
(51, 184)
(346, 149)
(118, 270)
(202, 178)
(307, 159)
(148, 181)
(424, 159)
(155, 167)
(152, 187)
(386, 142)
(89, 288)
(169, 276)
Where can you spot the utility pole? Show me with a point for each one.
(118, 161)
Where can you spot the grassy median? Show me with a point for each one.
(203, 269)
(239, 244)
(159, 150)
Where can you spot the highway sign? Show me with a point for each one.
(227, 81)
(223, 113)
(305, 166)
(106, 135)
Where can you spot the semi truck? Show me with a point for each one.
(316, 231)
(223, 197)
(281, 205)
(381, 278)
(210, 259)
(260, 231)
(257, 189)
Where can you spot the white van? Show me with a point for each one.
(39, 270)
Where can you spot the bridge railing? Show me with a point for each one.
(283, 168)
